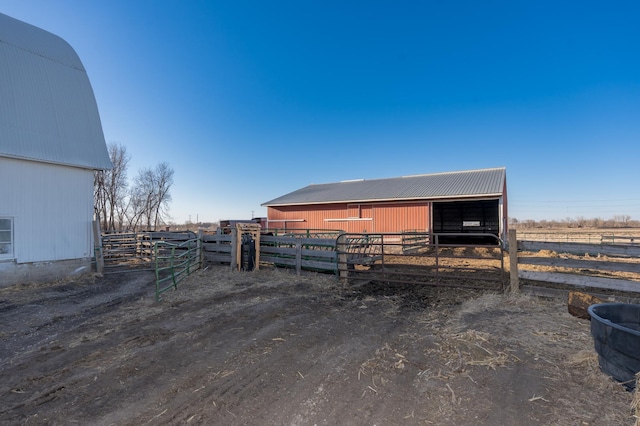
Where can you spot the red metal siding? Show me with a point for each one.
(356, 218)
(307, 217)
(365, 222)
(398, 217)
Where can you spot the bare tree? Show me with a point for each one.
(145, 204)
(622, 220)
(140, 200)
(99, 197)
(580, 222)
(164, 182)
(150, 197)
(110, 189)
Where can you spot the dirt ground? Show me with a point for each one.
(272, 348)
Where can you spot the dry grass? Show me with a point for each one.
(472, 347)
(586, 361)
(210, 281)
(514, 302)
(460, 346)
(462, 355)
(81, 279)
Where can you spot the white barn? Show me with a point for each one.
(51, 141)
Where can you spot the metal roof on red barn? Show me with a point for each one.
(462, 184)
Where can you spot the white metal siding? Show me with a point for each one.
(52, 207)
(48, 111)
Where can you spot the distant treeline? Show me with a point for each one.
(190, 226)
(622, 221)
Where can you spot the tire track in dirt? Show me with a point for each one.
(274, 348)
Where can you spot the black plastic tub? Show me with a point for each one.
(615, 328)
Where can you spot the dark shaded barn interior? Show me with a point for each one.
(466, 217)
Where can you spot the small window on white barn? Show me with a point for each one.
(6, 237)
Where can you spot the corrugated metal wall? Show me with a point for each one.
(307, 217)
(356, 218)
(52, 207)
(398, 217)
(49, 111)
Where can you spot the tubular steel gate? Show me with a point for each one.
(133, 251)
(174, 262)
(420, 258)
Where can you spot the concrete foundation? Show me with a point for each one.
(12, 273)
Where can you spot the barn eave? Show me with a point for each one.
(387, 200)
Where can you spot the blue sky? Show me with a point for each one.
(250, 100)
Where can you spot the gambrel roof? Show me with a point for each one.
(48, 111)
(463, 184)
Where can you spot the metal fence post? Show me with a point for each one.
(342, 257)
(298, 256)
(200, 252)
(234, 250)
(513, 261)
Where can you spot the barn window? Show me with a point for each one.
(6, 237)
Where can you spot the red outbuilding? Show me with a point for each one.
(473, 201)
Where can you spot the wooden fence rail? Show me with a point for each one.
(620, 239)
(572, 265)
(293, 251)
(302, 252)
(578, 265)
(218, 247)
(120, 250)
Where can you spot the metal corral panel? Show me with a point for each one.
(52, 209)
(48, 110)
